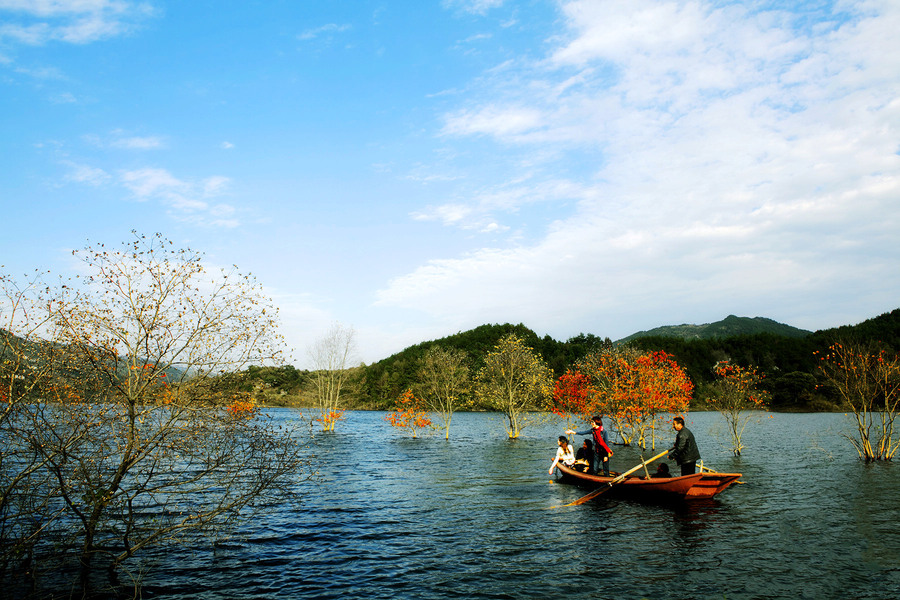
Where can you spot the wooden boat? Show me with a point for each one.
(663, 489)
(710, 484)
(699, 486)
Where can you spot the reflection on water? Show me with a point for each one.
(471, 517)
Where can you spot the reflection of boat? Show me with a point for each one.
(686, 487)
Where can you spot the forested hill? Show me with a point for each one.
(730, 326)
(785, 355)
(385, 380)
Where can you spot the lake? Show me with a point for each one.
(396, 517)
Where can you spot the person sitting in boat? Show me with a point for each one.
(602, 452)
(564, 453)
(584, 458)
(662, 471)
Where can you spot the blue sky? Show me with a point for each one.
(415, 169)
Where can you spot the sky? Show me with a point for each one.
(413, 169)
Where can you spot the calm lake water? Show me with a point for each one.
(473, 517)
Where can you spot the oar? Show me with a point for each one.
(705, 468)
(618, 479)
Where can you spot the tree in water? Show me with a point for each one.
(867, 379)
(137, 444)
(632, 388)
(514, 380)
(331, 356)
(409, 413)
(443, 380)
(735, 394)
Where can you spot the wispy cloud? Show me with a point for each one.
(325, 30)
(36, 22)
(478, 7)
(191, 201)
(81, 173)
(122, 140)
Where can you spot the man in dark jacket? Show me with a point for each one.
(685, 451)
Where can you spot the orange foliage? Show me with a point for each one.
(242, 409)
(329, 419)
(409, 412)
(632, 389)
(742, 382)
(734, 394)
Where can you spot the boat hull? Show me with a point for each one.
(655, 489)
(711, 484)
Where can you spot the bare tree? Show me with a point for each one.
(868, 380)
(332, 355)
(514, 380)
(132, 431)
(25, 368)
(443, 381)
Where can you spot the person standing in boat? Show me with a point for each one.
(602, 451)
(685, 451)
(564, 453)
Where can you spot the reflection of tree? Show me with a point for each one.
(132, 441)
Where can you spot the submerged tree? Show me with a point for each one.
(514, 380)
(137, 442)
(26, 366)
(443, 380)
(331, 355)
(409, 413)
(735, 395)
(633, 389)
(868, 381)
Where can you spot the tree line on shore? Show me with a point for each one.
(788, 365)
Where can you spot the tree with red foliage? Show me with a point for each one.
(409, 413)
(631, 388)
(735, 396)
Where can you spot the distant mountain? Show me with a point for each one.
(728, 327)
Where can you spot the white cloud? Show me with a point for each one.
(86, 174)
(186, 200)
(717, 156)
(36, 22)
(122, 140)
(478, 7)
(324, 30)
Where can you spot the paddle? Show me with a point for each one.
(618, 479)
(705, 468)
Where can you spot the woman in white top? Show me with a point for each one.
(564, 453)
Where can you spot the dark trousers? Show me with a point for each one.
(602, 465)
(689, 468)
